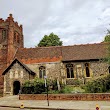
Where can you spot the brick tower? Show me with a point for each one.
(11, 38)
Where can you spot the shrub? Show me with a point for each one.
(36, 86)
(67, 89)
(98, 85)
(39, 86)
(75, 82)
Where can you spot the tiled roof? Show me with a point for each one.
(39, 52)
(84, 52)
(75, 52)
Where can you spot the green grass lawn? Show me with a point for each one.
(73, 89)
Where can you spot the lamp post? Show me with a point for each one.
(46, 86)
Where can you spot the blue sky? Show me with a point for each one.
(74, 21)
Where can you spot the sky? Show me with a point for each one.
(74, 21)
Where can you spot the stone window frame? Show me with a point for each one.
(42, 72)
(70, 71)
(87, 69)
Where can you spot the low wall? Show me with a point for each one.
(81, 97)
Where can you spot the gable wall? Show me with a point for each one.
(16, 73)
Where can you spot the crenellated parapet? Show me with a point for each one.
(1, 20)
(10, 21)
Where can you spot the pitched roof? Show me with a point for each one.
(24, 66)
(84, 52)
(39, 52)
(68, 53)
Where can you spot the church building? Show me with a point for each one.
(65, 63)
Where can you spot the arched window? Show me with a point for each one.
(69, 70)
(87, 70)
(42, 72)
(16, 37)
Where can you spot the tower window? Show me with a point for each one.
(18, 39)
(4, 34)
(42, 72)
(87, 70)
(15, 36)
(69, 70)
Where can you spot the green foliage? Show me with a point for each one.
(107, 37)
(67, 89)
(99, 85)
(39, 86)
(51, 40)
(72, 89)
(54, 85)
(75, 82)
(36, 86)
(107, 40)
(78, 82)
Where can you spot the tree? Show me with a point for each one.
(107, 37)
(107, 40)
(51, 40)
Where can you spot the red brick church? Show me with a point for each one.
(66, 63)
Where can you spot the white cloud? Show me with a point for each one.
(74, 21)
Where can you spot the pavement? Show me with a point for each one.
(14, 102)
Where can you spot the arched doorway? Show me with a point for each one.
(16, 87)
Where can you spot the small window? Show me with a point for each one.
(4, 34)
(15, 36)
(70, 72)
(42, 72)
(87, 70)
(18, 41)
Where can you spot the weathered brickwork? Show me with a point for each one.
(76, 97)
(8, 43)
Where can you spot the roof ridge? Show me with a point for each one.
(102, 43)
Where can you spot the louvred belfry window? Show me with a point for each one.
(4, 34)
(70, 71)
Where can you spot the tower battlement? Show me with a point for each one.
(10, 21)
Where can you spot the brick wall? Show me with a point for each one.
(76, 97)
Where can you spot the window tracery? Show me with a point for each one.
(70, 71)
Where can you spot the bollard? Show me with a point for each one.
(97, 107)
(22, 106)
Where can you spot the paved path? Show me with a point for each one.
(81, 105)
